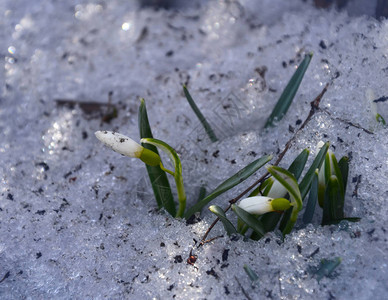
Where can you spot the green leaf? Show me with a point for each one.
(237, 178)
(177, 174)
(249, 219)
(299, 163)
(339, 205)
(241, 226)
(158, 178)
(264, 188)
(326, 267)
(289, 93)
(304, 185)
(343, 165)
(251, 274)
(270, 220)
(332, 198)
(229, 228)
(202, 193)
(200, 116)
(312, 200)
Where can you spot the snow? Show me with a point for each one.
(79, 221)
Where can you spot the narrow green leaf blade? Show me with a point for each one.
(332, 198)
(270, 220)
(312, 200)
(340, 202)
(299, 163)
(200, 116)
(343, 165)
(229, 228)
(304, 185)
(289, 92)
(237, 178)
(202, 193)
(158, 178)
(241, 226)
(250, 220)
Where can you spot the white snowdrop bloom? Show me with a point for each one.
(259, 205)
(128, 147)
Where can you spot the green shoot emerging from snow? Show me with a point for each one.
(276, 201)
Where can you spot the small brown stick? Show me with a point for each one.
(346, 122)
(314, 108)
(212, 239)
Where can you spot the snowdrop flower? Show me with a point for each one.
(128, 147)
(259, 205)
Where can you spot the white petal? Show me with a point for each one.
(257, 205)
(120, 143)
(277, 190)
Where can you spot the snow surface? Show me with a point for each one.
(78, 221)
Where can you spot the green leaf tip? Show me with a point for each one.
(288, 93)
(200, 116)
(229, 228)
(312, 199)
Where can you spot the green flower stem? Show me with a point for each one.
(166, 170)
(181, 195)
(180, 189)
(177, 174)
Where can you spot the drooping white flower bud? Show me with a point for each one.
(128, 147)
(259, 205)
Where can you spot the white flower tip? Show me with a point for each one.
(257, 205)
(100, 134)
(120, 143)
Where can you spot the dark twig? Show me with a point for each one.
(212, 239)
(314, 108)
(346, 122)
